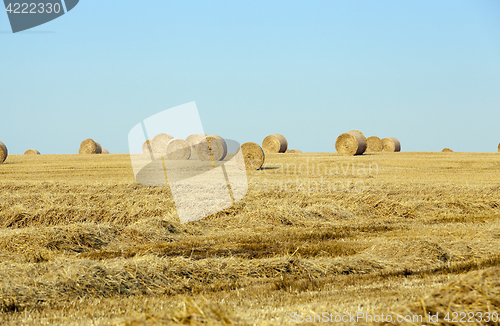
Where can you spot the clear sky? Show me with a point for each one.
(425, 72)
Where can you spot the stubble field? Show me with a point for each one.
(403, 234)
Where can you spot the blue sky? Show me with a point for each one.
(425, 72)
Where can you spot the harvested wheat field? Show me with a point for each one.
(81, 243)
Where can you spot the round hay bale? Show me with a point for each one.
(212, 147)
(274, 144)
(391, 144)
(499, 148)
(194, 140)
(178, 149)
(296, 151)
(159, 143)
(3, 152)
(446, 150)
(253, 156)
(99, 148)
(350, 143)
(89, 146)
(31, 151)
(146, 147)
(374, 144)
(105, 151)
(360, 133)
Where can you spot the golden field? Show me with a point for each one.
(81, 243)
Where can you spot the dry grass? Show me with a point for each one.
(473, 295)
(87, 245)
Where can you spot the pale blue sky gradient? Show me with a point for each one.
(426, 72)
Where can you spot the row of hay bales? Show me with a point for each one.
(197, 146)
(202, 147)
(215, 147)
(355, 143)
(90, 146)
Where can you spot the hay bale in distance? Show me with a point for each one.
(105, 151)
(274, 144)
(3, 152)
(350, 143)
(374, 144)
(391, 144)
(31, 151)
(178, 149)
(146, 147)
(194, 140)
(296, 151)
(288, 151)
(446, 150)
(212, 147)
(89, 146)
(253, 156)
(499, 148)
(159, 143)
